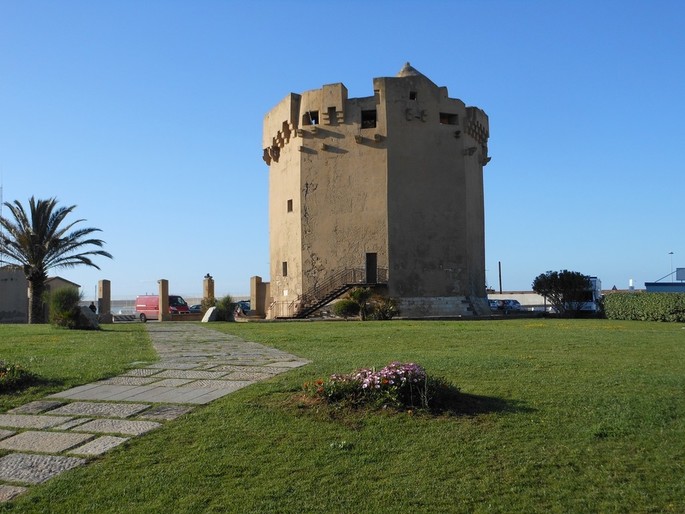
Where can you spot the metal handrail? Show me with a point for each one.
(341, 279)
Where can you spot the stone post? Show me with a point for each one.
(104, 301)
(208, 287)
(259, 292)
(164, 314)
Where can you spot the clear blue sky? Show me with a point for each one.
(148, 116)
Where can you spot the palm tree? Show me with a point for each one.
(40, 242)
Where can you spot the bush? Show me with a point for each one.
(14, 377)
(207, 303)
(642, 306)
(383, 308)
(64, 307)
(224, 308)
(346, 308)
(397, 385)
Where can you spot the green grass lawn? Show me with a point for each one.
(561, 416)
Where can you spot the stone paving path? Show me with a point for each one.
(197, 365)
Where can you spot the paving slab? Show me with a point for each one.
(118, 426)
(100, 392)
(7, 492)
(36, 407)
(110, 410)
(128, 381)
(6, 433)
(233, 385)
(179, 373)
(141, 372)
(173, 382)
(29, 421)
(99, 446)
(34, 469)
(165, 412)
(252, 376)
(43, 442)
(72, 423)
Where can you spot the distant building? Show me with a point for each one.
(14, 300)
(380, 190)
(665, 287)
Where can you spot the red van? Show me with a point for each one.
(147, 306)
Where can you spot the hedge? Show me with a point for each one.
(642, 306)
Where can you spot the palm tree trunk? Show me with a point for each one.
(36, 308)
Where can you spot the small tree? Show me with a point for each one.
(361, 296)
(564, 289)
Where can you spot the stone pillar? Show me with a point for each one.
(208, 287)
(259, 293)
(164, 314)
(105, 301)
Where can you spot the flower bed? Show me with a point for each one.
(13, 377)
(398, 385)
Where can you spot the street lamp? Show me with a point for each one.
(671, 275)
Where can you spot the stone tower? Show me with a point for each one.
(385, 189)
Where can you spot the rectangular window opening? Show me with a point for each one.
(290, 206)
(285, 269)
(310, 118)
(412, 95)
(369, 119)
(449, 119)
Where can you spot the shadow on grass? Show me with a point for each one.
(456, 403)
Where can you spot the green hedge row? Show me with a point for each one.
(645, 306)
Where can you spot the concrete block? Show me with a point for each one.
(114, 410)
(43, 442)
(34, 469)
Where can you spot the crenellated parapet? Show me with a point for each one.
(325, 106)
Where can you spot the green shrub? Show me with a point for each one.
(64, 307)
(641, 306)
(383, 308)
(346, 308)
(14, 377)
(224, 308)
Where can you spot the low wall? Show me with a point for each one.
(442, 306)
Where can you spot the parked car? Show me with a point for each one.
(147, 306)
(505, 305)
(196, 309)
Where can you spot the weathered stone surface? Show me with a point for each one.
(34, 469)
(165, 412)
(115, 410)
(7, 492)
(247, 375)
(177, 373)
(36, 407)
(28, 421)
(118, 426)
(141, 372)
(99, 445)
(6, 433)
(72, 423)
(128, 381)
(43, 442)
(173, 382)
(234, 385)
